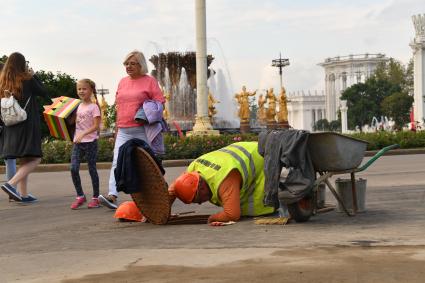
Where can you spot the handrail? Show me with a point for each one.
(376, 156)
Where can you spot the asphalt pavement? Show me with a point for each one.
(49, 242)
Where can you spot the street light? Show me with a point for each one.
(102, 91)
(280, 63)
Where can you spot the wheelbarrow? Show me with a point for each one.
(333, 154)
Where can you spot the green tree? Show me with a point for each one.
(396, 73)
(364, 100)
(409, 78)
(321, 125)
(335, 126)
(111, 115)
(398, 106)
(361, 108)
(392, 71)
(59, 84)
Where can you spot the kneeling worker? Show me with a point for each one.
(231, 177)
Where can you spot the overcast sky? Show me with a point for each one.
(90, 38)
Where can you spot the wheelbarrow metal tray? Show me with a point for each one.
(335, 152)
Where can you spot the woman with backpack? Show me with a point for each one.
(22, 140)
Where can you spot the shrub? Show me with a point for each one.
(58, 151)
(194, 146)
(406, 139)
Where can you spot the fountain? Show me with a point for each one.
(176, 73)
(181, 102)
(384, 124)
(374, 124)
(226, 109)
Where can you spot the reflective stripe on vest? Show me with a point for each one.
(249, 186)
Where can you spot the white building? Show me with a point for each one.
(343, 71)
(304, 110)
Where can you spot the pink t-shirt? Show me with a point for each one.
(131, 94)
(85, 120)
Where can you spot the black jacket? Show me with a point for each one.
(125, 173)
(286, 148)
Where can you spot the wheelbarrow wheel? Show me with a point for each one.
(302, 210)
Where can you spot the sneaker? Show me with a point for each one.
(11, 199)
(94, 203)
(78, 202)
(29, 199)
(11, 191)
(109, 201)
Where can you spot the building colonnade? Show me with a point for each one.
(342, 72)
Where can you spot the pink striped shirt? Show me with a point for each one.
(131, 94)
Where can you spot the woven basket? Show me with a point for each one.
(152, 199)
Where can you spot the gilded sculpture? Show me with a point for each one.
(282, 115)
(243, 100)
(165, 113)
(271, 110)
(104, 110)
(261, 112)
(211, 108)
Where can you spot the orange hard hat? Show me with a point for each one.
(186, 186)
(128, 211)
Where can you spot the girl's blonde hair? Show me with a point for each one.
(140, 59)
(92, 85)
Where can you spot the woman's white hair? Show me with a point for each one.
(140, 59)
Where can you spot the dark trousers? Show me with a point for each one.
(89, 149)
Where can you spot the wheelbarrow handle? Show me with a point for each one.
(377, 155)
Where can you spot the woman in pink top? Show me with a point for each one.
(132, 92)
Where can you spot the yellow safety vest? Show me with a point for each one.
(243, 156)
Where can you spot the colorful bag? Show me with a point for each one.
(11, 111)
(58, 117)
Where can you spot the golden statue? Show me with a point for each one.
(261, 112)
(282, 115)
(271, 110)
(211, 107)
(243, 100)
(104, 109)
(165, 113)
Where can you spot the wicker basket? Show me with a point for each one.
(152, 200)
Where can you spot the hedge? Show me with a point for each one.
(406, 139)
(58, 151)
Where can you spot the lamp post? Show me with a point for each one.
(280, 63)
(102, 91)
